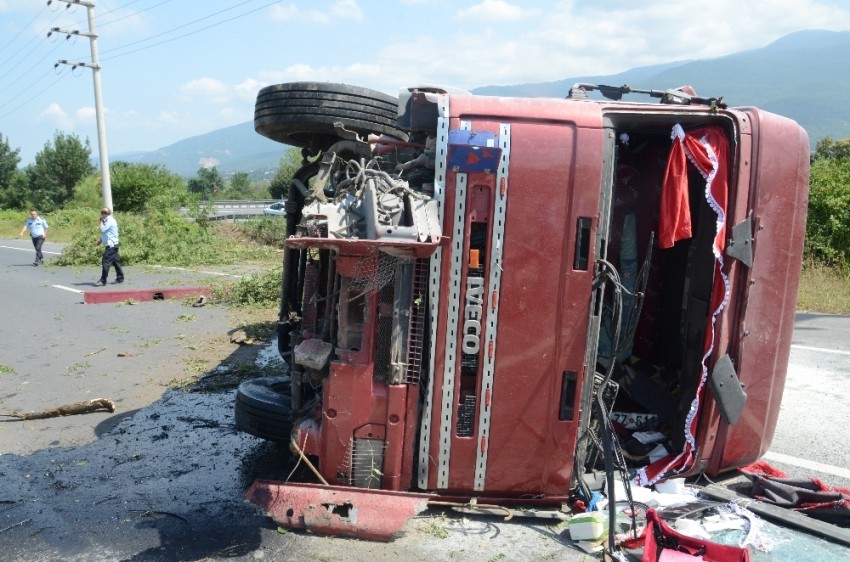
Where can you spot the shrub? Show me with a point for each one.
(828, 225)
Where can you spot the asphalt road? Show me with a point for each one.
(163, 477)
(810, 438)
(56, 350)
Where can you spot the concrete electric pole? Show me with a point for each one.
(105, 180)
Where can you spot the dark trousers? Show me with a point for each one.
(37, 243)
(110, 258)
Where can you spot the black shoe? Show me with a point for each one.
(101, 282)
(35, 263)
(118, 281)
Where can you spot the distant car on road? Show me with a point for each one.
(276, 209)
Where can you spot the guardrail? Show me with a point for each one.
(237, 204)
(234, 210)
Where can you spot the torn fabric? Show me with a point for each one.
(707, 149)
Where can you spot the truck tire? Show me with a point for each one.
(303, 114)
(263, 408)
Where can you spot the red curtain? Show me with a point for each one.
(707, 150)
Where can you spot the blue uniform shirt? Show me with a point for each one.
(37, 227)
(109, 231)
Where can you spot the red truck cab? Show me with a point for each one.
(477, 289)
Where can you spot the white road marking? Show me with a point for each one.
(820, 349)
(195, 271)
(64, 288)
(30, 250)
(811, 465)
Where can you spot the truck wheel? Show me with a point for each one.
(303, 113)
(263, 408)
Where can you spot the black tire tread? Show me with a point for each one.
(262, 408)
(304, 113)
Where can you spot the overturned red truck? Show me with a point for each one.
(479, 292)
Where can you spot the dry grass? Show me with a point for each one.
(824, 289)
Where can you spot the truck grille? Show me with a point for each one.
(366, 463)
(418, 313)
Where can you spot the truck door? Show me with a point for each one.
(766, 294)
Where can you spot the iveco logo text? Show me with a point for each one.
(472, 315)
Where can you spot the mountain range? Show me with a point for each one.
(803, 75)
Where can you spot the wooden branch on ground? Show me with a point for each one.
(84, 407)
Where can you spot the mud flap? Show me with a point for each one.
(337, 510)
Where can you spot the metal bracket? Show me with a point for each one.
(741, 245)
(728, 392)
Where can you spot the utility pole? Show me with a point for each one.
(105, 180)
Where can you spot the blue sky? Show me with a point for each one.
(172, 69)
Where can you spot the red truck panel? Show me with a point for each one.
(779, 195)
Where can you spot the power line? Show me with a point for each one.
(21, 30)
(35, 36)
(191, 32)
(16, 81)
(183, 26)
(35, 95)
(104, 24)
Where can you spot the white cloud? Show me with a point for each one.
(347, 10)
(285, 13)
(492, 11)
(344, 10)
(86, 113)
(54, 114)
(170, 117)
(248, 88)
(210, 89)
(575, 38)
(291, 12)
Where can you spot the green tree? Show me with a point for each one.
(289, 164)
(240, 186)
(57, 170)
(9, 160)
(828, 148)
(208, 183)
(240, 182)
(16, 194)
(136, 187)
(828, 224)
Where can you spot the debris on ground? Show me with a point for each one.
(241, 337)
(84, 407)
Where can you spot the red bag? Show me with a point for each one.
(664, 544)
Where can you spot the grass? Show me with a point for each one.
(434, 527)
(824, 289)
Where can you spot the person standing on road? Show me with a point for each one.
(109, 238)
(38, 231)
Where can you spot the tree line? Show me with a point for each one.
(63, 171)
